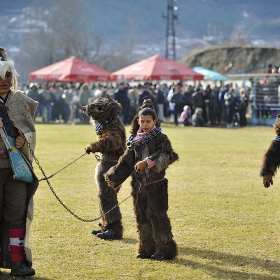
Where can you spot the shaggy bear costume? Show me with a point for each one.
(149, 187)
(271, 159)
(111, 145)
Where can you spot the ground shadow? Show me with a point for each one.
(129, 240)
(5, 275)
(221, 258)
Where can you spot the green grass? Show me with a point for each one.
(225, 222)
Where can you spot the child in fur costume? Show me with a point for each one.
(111, 145)
(146, 159)
(271, 159)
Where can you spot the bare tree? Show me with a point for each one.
(67, 32)
(120, 53)
(64, 28)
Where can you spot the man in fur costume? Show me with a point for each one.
(271, 159)
(111, 145)
(146, 159)
(16, 197)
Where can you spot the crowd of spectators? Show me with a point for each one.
(181, 104)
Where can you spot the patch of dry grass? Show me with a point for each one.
(225, 223)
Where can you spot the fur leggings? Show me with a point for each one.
(153, 224)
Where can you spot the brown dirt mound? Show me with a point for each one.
(241, 58)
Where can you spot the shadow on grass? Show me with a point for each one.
(5, 274)
(234, 261)
(129, 240)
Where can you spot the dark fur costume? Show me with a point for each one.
(111, 145)
(271, 159)
(151, 203)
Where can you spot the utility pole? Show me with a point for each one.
(170, 45)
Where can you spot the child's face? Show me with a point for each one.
(146, 123)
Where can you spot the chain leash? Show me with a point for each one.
(57, 197)
(46, 178)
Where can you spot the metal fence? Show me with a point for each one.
(264, 96)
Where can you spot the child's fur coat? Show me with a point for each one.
(150, 193)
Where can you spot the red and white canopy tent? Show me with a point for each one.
(156, 68)
(71, 69)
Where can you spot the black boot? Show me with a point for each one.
(143, 256)
(112, 231)
(95, 232)
(108, 235)
(157, 257)
(21, 269)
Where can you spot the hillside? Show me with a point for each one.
(199, 18)
(242, 58)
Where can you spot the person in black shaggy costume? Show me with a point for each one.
(271, 159)
(146, 159)
(111, 144)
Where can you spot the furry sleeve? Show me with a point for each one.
(271, 159)
(110, 141)
(122, 170)
(167, 155)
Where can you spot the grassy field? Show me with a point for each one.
(225, 222)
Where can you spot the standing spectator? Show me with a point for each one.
(188, 97)
(198, 99)
(70, 92)
(214, 107)
(165, 90)
(170, 111)
(57, 109)
(34, 94)
(65, 104)
(230, 101)
(85, 95)
(46, 99)
(121, 97)
(222, 101)
(179, 101)
(133, 95)
(98, 92)
(111, 91)
(146, 94)
(206, 97)
(161, 101)
(76, 115)
(243, 105)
